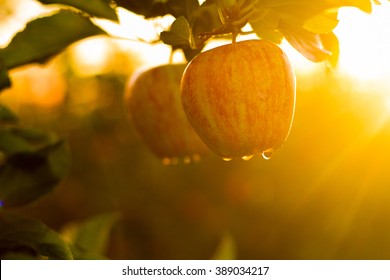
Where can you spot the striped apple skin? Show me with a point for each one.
(240, 97)
(152, 98)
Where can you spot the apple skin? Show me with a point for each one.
(240, 98)
(152, 99)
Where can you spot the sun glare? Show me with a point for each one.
(365, 43)
(134, 33)
(91, 57)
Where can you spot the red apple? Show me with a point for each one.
(240, 98)
(152, 98)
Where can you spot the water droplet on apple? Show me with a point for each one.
(187, 160)
(248, 157)
(166, 161)
(267, 154)
(227, 159)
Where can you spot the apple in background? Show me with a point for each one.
(152, 99)
(240, 98)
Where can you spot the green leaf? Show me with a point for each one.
(204, 20)
(7, 116)
(307, 43)
(266, 27)
(179, 8)
(226, 249)
(24, 140)
(91, 237)
(147, 8)
(97, 8)
(179, 34)
(190, 53)
(5, 81)
(33, 164)
(79, 254)
(47, 36)
(19, 233)
(156, 8)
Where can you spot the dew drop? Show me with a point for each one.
(166, 161)
(187, 160)
(227, 159)
(267, 154)
(248, 157)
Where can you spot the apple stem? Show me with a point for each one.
(171, 56)
(234, 36)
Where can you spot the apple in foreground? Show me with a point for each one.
(152, 99)
(240, 98)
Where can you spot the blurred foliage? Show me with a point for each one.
(322, 196)
(89, 239)
(98, 8)
(33, 165)
(4, 79)
(7, 116)
(20, 235)
(29, 46)
(226, 249)
(152, 8)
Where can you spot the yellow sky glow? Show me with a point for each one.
(365, 43)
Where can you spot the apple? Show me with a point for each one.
(152, 98)
(240, 98)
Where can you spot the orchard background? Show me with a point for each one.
(77, 182)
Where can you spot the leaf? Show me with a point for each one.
(307, 43)
(331, 42)
(178, 8)
(266, 27)
(19, 232)
(226, 249)
(179, 34)
(190, 53)
(156, 8)
(298, 12)
(34, 164)
(204, 20)
(97, 8)
(7, 116)
(322, 23)
(145, 7)
(47, 36)
(24, 140)
(5, 81)
(91, 237)
(79, 254)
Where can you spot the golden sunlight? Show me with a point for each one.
(136, 34)
(44, 86)
(92, 57)
(365, 44)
